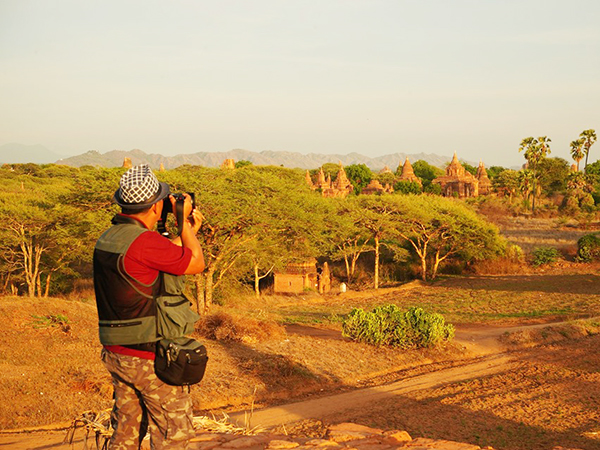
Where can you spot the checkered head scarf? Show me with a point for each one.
(140, 189)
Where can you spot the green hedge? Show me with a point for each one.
(389, 325)
(588, 248)
(545, 255)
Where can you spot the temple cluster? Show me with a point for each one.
(457, 182)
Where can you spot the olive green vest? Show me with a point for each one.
(131, 312)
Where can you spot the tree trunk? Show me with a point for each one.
(347, 268)
(47, 290)
(208, 289)
(436, 264)
(423, 267)
(38, 284)
(376, 262)
(199, 292)
(256, 281)
(28, 268)
(32, 255)
(353, 265)
(533, 200)
(586, 160)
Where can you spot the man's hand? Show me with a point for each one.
(197, 217)
(187, 205)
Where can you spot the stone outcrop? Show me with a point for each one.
(344, 436)
(127, 163)
(458, 182)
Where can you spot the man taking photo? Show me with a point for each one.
(131, 262)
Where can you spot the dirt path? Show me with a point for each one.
(362, 398)
(482, 341)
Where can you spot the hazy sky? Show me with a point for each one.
(311, 76)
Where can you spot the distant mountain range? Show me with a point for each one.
(17, 153)
(274, 158)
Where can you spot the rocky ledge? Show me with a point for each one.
(344, 436)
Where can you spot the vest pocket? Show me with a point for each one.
(127, 332)
(175, 318)
(172, 284)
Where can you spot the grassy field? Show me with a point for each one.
(549, 295)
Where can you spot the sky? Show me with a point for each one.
(314, 76)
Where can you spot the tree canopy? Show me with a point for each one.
(258, 219)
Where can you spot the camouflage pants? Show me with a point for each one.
(142, 401)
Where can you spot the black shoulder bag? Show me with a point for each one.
(179, 361)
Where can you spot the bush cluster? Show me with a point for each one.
(389, 325)
(588, 248)
(221, 326)
(545, 255)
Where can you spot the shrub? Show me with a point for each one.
(407, 187)
(225, 327)
(588, 248)
(544, 255)
(514, 253)
(389, 325)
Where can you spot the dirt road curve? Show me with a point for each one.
(362, 398)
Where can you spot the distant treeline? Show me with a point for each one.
(257, 219)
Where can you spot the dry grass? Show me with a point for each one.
(530, 233)
(50, 375)
(222, 326)
(49, 372)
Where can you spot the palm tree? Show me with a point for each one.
(589, 137)
(577, 151)
(535, 151)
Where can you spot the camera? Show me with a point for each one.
(179, 199)
(178, 213)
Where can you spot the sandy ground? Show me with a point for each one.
(492, 358)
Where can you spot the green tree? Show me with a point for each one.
(433, 189)
(469, 168)
(494, 171)
(589, 137)
(426, 172)
(438, 229)
(359, 175)
(506, 183)
(527, 186)
(577, 152)
(553, 173)
(43, 235)
(377, 220)
(344, 236)
(535, 150)
(244, 211)
(407, 187)
(579, 193)
(242, 163)
(387, 178)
